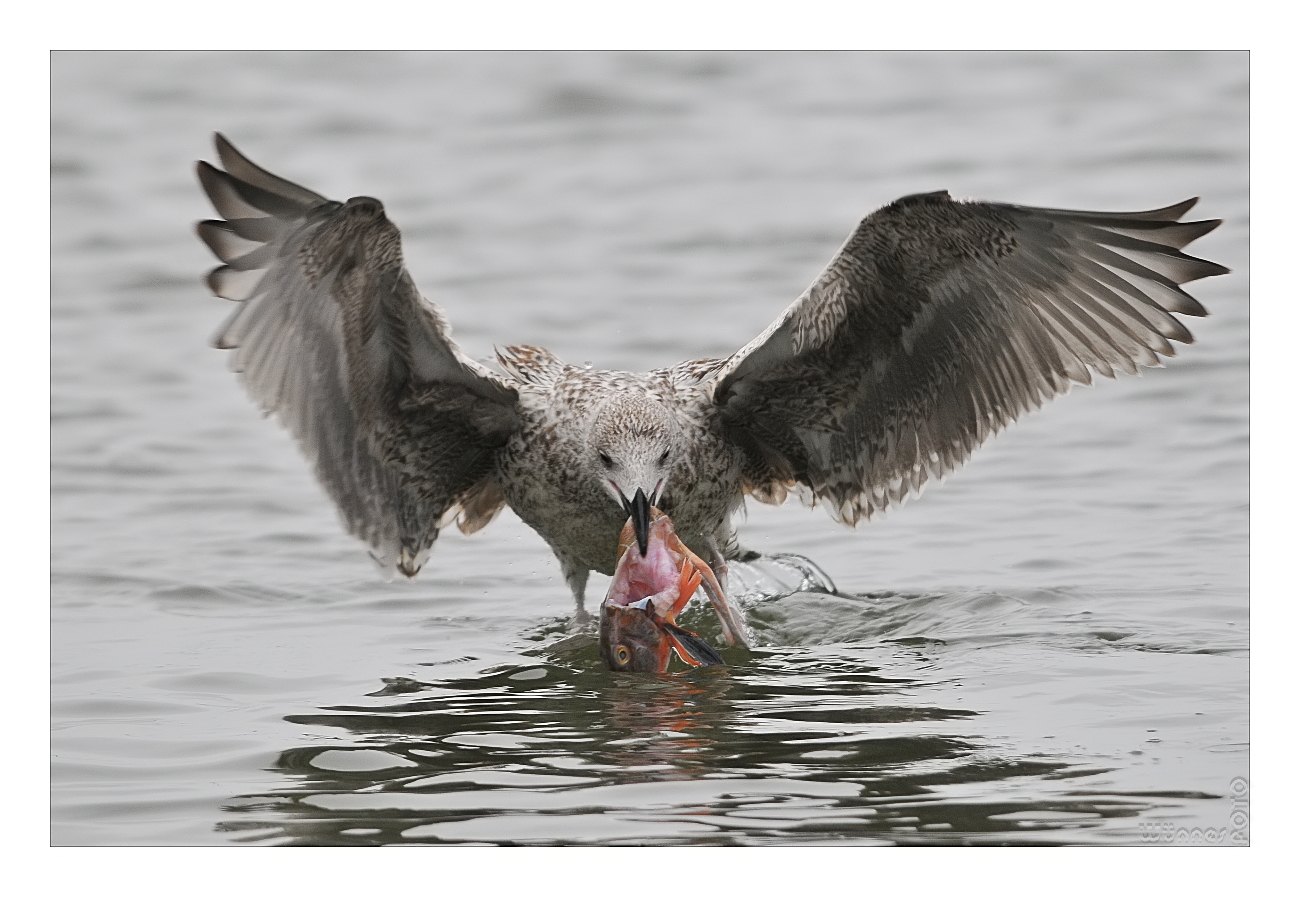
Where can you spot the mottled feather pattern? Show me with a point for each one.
(569, 507)
(691, 373)
(530, 364)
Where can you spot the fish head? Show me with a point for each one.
(632, 640)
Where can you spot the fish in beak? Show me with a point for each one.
(638, 628)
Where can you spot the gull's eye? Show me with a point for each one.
(663, 459)
(607, 461)
(622, 655)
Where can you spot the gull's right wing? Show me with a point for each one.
(333, 338)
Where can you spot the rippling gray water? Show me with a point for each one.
(1051, 647)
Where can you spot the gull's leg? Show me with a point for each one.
(718, 564)
(575, 574)
(714, 582)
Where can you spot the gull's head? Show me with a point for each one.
(632, 447)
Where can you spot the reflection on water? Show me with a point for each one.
(802, 743)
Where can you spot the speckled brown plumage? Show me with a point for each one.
(936, 324)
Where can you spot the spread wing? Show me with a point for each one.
(937, 324)
(332, 337)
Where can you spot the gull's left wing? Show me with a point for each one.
(937, 324)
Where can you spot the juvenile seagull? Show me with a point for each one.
(936, 324)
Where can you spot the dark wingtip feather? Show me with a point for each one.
(224, 241)
(233, 283)
(1206, 267)
(1169, 213)
(260, 199)
(221, 192)
(245, 170)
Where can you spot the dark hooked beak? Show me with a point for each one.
(639, 510)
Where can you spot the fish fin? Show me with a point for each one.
(686, 586)
(691, 648)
